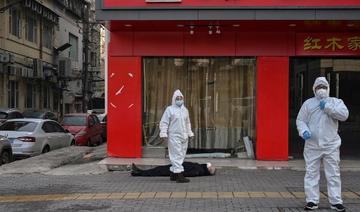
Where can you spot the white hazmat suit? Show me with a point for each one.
(324, 142)
(175, 125)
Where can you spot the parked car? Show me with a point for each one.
(40, 115)
(5, 150)
(6, 114)
(29, 137)
(86, 128)
(103, 121)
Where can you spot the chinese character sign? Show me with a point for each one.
(327, 44)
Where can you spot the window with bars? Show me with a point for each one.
(13, 94)
(31, 28)
(30, 96)
(73, 50)
(15, 22)
(48, 35)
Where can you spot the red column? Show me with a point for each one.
(124, 107)
(272, 117)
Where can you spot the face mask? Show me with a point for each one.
(179, 102)
(321, 93)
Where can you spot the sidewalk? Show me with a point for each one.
(120, 164)
(45, 162)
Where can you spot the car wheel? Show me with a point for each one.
(72, 143)
(46, 149)
(89, 143)
(5, 158)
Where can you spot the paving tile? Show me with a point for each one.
(298, 194)
(286, 194)
(241, 194)
(147, 195)
(193, 195)
(131, 195)
(350, 195)
(256, 194)
(162, 195)
(225, 195)
(209, 194)
(178, 194)
(273, 194)
(116, 196)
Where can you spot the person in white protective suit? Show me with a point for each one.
(175, 129)
(317, 124)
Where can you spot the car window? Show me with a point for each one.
(3, 115)
(74, 121)
(19, 115)
(51, 115)
(96, 119)
(21, 126)
(32, 114)
(57, 127)
(48, 127)
(11, 115)
(91, 121)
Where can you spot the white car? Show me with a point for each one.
(31, 137)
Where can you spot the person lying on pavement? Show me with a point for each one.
(190, 170)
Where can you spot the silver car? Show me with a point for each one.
(31, 137)
(5, 150)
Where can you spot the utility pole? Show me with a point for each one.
(86, 26)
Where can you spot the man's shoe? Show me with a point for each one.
(338, 207)
(311, 206)
(135, 171)
(172, 176)
(181, 179)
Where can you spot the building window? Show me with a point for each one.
(30, 96)
(48, 35)
(31, 28)
(56, 101)
(13, 94)
(15, 22)
(46, 97)
(73, 50)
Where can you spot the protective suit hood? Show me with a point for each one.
(321, 81)
(176, 94)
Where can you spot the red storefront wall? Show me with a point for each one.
(272, 51)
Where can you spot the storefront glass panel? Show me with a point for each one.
(344, 78)
(219, 94)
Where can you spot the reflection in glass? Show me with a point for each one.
(219, 94)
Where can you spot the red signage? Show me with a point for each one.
(233, 3)
(328, 44)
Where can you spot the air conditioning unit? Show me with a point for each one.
(11, 70)
(11, 58)
(28, 62)
(65, 68)
(4, 57)
(24, 72)
(38, 69)
(30, 73)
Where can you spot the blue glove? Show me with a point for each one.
(306, 135)
(322, 104)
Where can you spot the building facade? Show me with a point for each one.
(245, 67)
(42, 51)
(28, 69)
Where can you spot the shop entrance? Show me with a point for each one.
(219, 94)
(344, 77)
